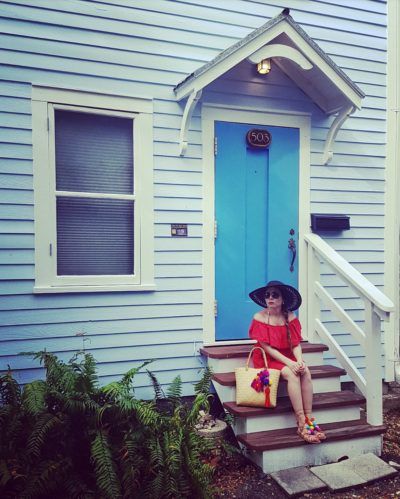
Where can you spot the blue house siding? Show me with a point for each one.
(143, 48)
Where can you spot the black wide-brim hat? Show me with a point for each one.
(291, 297)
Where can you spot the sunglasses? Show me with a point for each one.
(272, 294)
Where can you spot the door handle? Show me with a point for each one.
(292, 248)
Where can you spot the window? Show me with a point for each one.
(93, 192)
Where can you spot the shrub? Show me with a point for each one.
(68, 437)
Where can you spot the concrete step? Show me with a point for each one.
(226, 358)
(325, 379)
(280, 449)
(327, 408)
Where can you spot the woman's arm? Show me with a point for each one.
(298, 354)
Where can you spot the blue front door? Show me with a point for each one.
(256, 211)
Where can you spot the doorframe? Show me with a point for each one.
(211, 113)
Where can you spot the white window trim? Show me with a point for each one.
(44, 101)
(392, 204)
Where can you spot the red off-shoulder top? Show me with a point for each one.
(276, 337)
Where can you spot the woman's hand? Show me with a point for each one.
(297, 367)
(301, 366)
(294, 367)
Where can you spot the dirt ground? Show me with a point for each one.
(236, 478)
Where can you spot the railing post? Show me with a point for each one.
(373, 367)
(313, 302)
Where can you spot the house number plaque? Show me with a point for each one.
(259, 139)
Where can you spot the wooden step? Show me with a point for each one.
(325, 379)
(320, 401)
(328, 407)
(233, 351)
(282, 438)
(222, 359)
(282, 449)
(228, 379)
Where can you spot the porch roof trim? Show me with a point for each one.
(298, 56)
(327, 74)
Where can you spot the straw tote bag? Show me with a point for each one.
(256, 387)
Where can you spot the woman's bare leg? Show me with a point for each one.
(294, 387)
(306, 391)
(294, 392)
(307, 395)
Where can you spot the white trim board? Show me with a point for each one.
(392, 205)
(316, 75)
(210, 114)
(77, 97)
(324, 71)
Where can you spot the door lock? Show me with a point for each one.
(292, 248)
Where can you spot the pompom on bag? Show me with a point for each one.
(248, 379)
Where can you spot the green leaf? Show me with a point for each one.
(10, 391)
(106, 476)
(158, 391)
(33, 397)
(204, 384)
(128, 377)
(44, 424)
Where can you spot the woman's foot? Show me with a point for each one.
(315, 429)
(307, 436)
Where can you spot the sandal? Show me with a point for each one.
(312, 426)
(307, 435)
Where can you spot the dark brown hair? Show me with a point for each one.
(285, 313)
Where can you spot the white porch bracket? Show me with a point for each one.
(187, 116)
(279, 50)
(335, 127)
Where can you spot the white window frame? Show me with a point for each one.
(44, 102)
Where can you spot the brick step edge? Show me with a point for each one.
(285, 438)
(233, 351)
(323, 371)
(344, 398)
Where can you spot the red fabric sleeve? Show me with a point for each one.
(295, 331)
(258, 331)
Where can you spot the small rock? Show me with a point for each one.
(395, 465)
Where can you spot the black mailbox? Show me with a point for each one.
(323, 222)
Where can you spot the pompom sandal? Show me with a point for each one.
(307, 435)
(312, 426)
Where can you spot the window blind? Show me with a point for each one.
(94, 236)
(94, 154)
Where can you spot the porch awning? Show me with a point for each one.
(297, 55)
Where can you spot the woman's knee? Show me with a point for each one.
(289, 375)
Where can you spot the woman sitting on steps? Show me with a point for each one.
(278, 331)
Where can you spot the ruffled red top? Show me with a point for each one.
(276, 337)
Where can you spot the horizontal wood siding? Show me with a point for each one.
(143, 48)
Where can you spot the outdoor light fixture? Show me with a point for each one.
(264, 66)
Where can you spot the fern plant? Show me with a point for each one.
(176, 447)
(67, 437)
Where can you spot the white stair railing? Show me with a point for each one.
(377, 307)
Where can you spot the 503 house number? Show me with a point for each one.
(260, 139)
